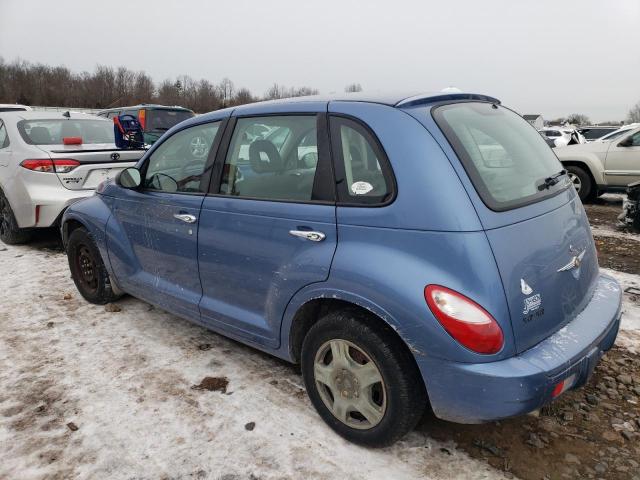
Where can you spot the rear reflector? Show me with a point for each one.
(72, 140)
(59, 165)
(465, 320)
(563, 386)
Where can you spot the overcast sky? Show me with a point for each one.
(539, 56)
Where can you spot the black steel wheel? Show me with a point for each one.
(87, 268)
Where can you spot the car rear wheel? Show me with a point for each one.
(361, 379)
(581, 181)
(87, 268)
(9, 231)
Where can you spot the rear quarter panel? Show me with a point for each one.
(385, 271)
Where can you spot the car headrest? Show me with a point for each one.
(70, 130)
(273, 163)
(40, 135)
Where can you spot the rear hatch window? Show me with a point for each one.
(507, 160)
(162, 120)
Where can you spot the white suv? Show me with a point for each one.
(48, 161)
(603, 166)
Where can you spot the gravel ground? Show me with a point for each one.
(128, 391)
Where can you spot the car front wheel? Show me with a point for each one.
(87, 268)
(581, 181)
(361, 379)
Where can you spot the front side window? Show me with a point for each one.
(4, 138)
(634, 140)
(178, 164)
(361, 167)
(272, 158)
(507, 161)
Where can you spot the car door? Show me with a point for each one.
(268, 228)
(622, 165)
(154, 248)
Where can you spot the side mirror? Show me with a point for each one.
(627, 142)
(129, 178)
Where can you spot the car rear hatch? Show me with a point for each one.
(90, 164)
(534, 221)
(549, 268)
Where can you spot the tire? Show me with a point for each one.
(10, 233)
(581, 181)
(398, 397)
(87, 268)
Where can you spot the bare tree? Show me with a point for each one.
(578, 119)
(226, 89)
(634, 114)
(280, 91)
(353, 87)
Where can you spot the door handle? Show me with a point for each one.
(308, 235)
(185, 217)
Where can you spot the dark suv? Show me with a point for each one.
(155, 119)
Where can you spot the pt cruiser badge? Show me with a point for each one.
(575, 261)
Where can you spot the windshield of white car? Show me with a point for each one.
(54, 131)
(613, 135)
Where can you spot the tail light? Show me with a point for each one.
(59, 165)
(466, 321)
(72, 140)
(142, 117)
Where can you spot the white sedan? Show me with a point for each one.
(49, 160)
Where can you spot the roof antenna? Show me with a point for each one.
(67, 114)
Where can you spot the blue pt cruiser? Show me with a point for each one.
(407, 251)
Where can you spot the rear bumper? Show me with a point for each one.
(475, 393)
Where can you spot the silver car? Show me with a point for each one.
(48, 161)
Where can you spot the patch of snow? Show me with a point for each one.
(125, 380)
(630, 302)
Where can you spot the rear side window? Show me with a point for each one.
(272, 158)
(505, 158)
(362, 170)
(161, 120)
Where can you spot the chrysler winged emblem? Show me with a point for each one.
(575, 262)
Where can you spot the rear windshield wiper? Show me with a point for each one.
(552, 180)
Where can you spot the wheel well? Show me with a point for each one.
(314, 310)
(67, 229)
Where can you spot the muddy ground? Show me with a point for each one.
(587, 433)
(615, 252)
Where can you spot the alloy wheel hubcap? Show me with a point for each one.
(350, 384)
(575, 180)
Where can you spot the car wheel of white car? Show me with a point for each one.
(581, 181)
(9, 231)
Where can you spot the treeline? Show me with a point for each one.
(37, 84)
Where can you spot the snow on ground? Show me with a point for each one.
(124, 379)
(606, 231)
(629, 336)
